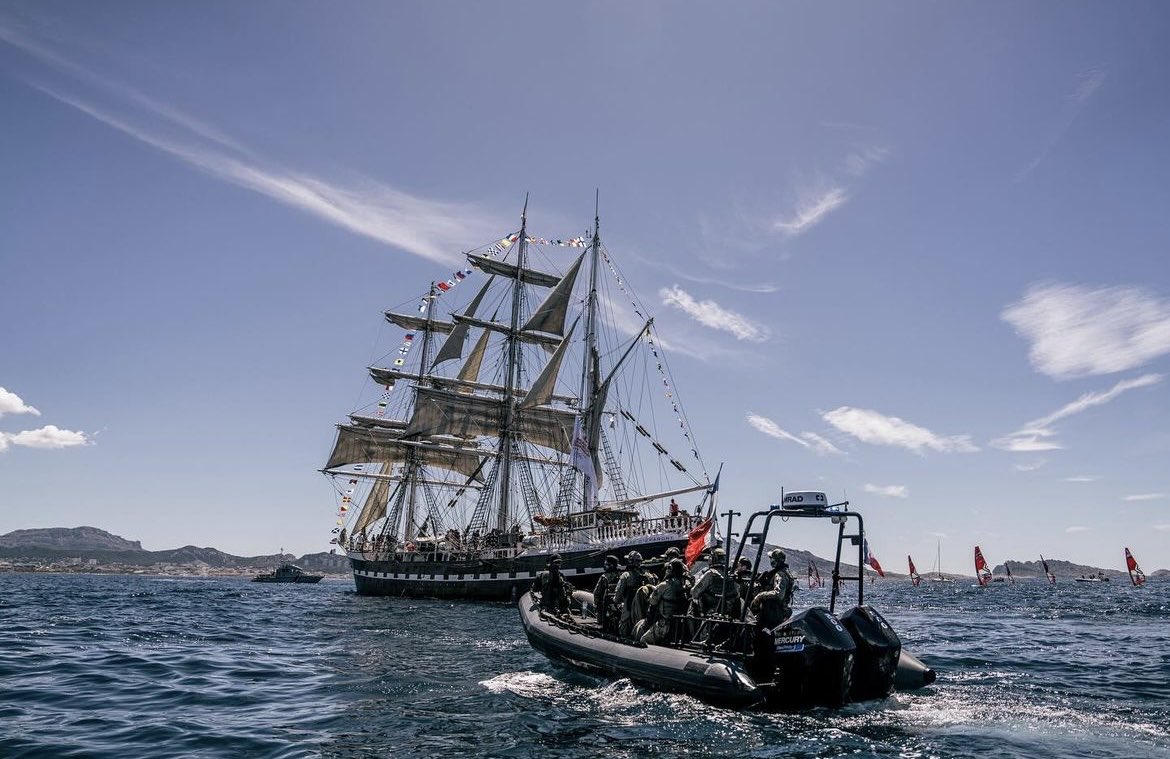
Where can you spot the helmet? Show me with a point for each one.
(633, 557)
(554, 559)
(717, 554)
(778, 557)
(744, 562)
(676, 567)
(611, 561)
(672, 553)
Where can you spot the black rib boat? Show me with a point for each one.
(814, 658)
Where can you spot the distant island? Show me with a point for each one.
(89, 549)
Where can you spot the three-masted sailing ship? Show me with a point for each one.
(473, 468)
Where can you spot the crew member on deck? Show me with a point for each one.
(631, 594)
(668, 599)
(553, 587)
(605, 594)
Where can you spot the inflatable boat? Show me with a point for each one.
(813, 658)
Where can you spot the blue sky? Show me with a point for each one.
(910, 254)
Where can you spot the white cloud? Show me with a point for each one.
(1076, 528)
(47, 437)
(1030, 466)
(1037, 435)
(1077, 331)
(879, 429)
(819, 444)
(811, 210)
(711, 314)
(892, 491)
(1145, 497)
(768, 427)
(1082, 478)
(809, 440)
(11, 403)
(432, 229)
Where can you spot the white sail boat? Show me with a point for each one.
(473, 468)
(937, 575)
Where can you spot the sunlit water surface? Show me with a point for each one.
(119, 666)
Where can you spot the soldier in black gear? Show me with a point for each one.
(605, 593)
(714, 590)
(779, 580)
(554, 589)
(630, 595)
(668, 599)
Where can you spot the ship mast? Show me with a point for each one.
(413, 461)
(591, 364)
(507, 434)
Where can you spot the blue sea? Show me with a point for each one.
(133, 666)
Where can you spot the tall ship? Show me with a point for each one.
(560, 431)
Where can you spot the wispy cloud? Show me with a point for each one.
(859, 162)
(48, 437)
(1088, 82)
(1030, 466)
(711, 314)
(11, 403)
(1083, 478)
(873, 427)
(891, 491)
(432, 229)
(812, 207)
(1077, 331)
(809, 440)
(1076, 528)
(1162, 527)
(1038, 435)
(1145, 497)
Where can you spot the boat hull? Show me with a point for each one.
(486, 579)
(303, 578)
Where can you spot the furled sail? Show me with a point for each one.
(546, 341)
(416, 322)
(550, 315)
(453, 347)
(364, 445)
(440, 412)
(528, 276)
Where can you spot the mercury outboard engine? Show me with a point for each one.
(878, 648)
(813, 656)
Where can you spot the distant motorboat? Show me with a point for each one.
(1099, 577)
(287, 573)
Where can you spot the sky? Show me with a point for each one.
(910, 254)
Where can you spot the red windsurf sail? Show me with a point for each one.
(915, 578)
(1047, 572)
(814, 576)
(1136, 575)
(982, 573)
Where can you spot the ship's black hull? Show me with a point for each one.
(502, 579)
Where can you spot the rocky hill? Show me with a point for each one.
(1059, 567)
(86, 543)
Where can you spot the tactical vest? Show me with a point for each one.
(673, 599)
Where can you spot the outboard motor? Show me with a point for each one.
(878, 649)
(812, 656)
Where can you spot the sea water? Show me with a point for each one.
(133, 666)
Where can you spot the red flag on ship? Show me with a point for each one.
(698, 539)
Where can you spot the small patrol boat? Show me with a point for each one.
(813, 658)
(287, 573)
